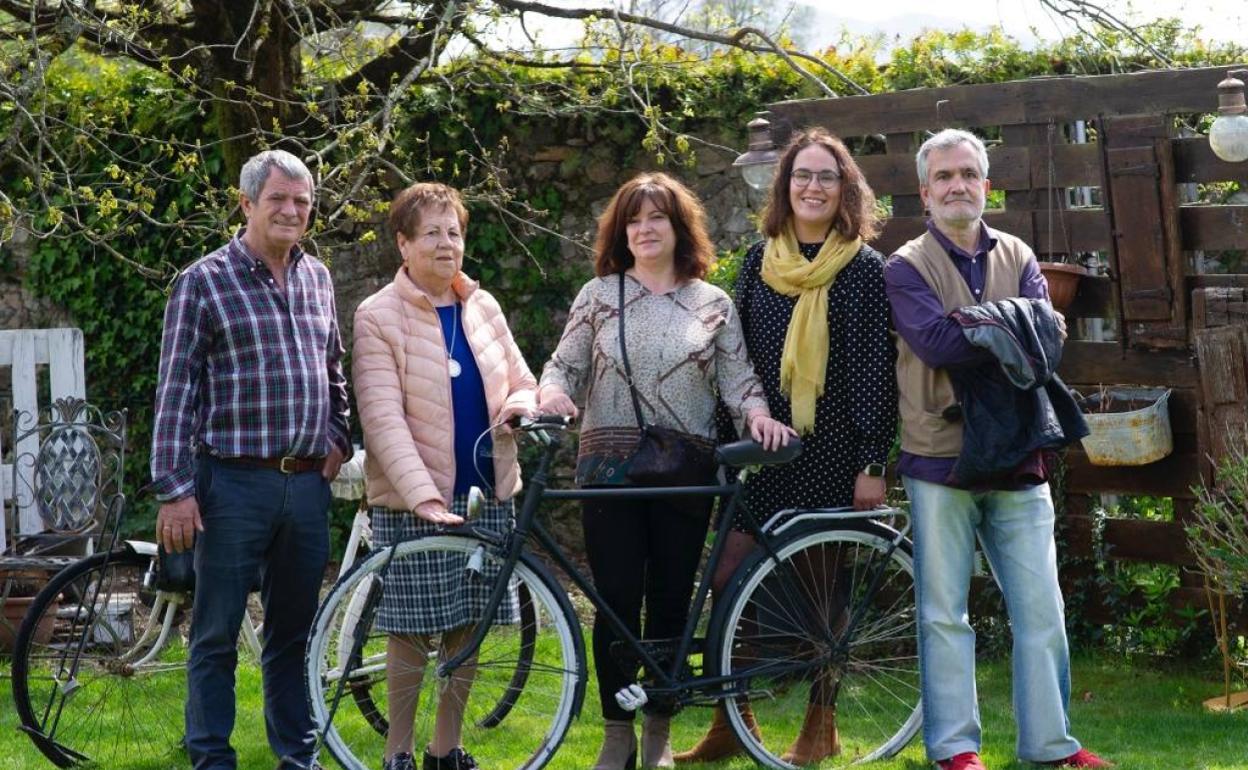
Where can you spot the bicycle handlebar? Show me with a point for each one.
(539, 422)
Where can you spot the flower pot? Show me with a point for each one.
(14, 610)
(1063, 280)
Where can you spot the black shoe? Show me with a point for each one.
(457, 759)
(400, 761)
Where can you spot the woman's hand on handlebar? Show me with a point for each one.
(436, 512)
(771, 433)
(552, 400)
(511, 415)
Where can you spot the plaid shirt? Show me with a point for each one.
(245, 370)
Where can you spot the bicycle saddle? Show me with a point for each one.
(750, 452)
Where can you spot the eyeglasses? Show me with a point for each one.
(803, 177)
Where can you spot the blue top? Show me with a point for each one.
(471, 413)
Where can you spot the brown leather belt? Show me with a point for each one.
(283, 464)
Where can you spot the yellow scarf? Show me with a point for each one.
(804, 362)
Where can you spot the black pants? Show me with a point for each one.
(641, 550)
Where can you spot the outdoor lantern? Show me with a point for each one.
(1228, 137)
(758, 164)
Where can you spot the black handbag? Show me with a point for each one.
(664, 457)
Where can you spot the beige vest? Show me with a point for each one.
(925, 392)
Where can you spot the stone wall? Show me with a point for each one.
(19, 308)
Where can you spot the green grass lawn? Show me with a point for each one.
(1141, 717)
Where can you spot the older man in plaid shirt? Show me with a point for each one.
(251, 426)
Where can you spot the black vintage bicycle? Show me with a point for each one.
(823, 612)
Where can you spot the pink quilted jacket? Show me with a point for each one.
(403, 391)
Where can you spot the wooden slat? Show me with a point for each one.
(1073, 231)
(1038, 100)
(1095, 298)
(1194, 161)
(1080, 535)
(1212, 228)
(1085, 230)
(25, 401)
(65, 360)
(1225, 280)
(1162, 542)
(906, 201)
(1110, 363)
(1009, 168)
(1180, 599)
(1074, 165)
(1171, 476)
(1223, 356)
(1139, 256)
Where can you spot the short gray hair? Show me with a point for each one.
(946, 140)
(256, 172)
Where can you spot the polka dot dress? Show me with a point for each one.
(856, 418)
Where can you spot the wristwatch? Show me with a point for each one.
(874, 469)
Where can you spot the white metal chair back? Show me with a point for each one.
(22, 352)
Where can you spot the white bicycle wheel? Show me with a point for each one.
(828, 636)
(523, 688)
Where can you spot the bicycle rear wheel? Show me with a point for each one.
(95, 680)
(826, 641)
(523, 688)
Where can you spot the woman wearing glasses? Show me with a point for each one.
(816, 322)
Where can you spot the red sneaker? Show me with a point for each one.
(967, 760)
(1081, 758)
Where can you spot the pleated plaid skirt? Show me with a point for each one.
(427, 593)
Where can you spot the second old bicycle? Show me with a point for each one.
(823, 613)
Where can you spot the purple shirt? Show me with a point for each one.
(247, 369)
(919, 317)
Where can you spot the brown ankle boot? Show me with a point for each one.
(720, 742)
(656, 743)
(818, 739)
(619, 746)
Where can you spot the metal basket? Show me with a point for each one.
(1136, 437)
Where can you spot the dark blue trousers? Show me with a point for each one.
(256, 522)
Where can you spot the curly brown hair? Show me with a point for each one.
(694, 251)
(406, 207)
(856, 216)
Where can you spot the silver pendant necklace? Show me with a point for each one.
(452, 365)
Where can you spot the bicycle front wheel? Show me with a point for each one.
(99, 665)
(824, 641)
(518, 694)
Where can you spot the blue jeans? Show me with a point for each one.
(1015, 529)
(256, 522)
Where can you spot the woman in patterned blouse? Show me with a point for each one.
(816, 323)
(685, 349)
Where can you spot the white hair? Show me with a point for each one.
(946, 140)
(256, 172)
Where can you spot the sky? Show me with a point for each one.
(1024, 19)
(1220, 20)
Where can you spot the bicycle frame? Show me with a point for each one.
(527, 526)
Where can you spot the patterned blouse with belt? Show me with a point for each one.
(685, 348)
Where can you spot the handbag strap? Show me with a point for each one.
(628, 372)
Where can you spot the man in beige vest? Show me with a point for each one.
(960, 261)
